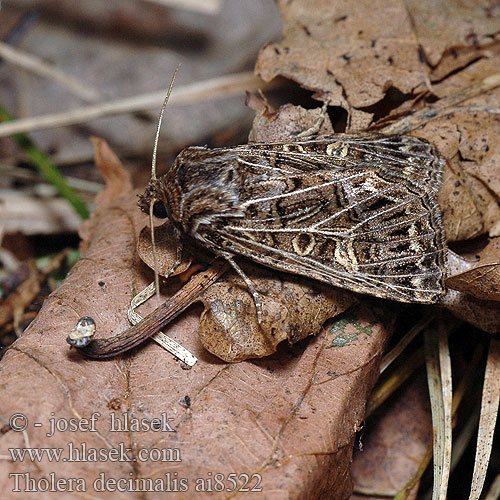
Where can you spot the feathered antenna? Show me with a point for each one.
(153, 176)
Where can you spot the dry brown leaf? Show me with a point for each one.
(461, 217)
(351, 59)
(443, 25)
(290, 418)
(481, 313)
(288, 121)
(166, 249)
(394, 442)
(483, 280)
(348, 58)
(117, 178)
(467, 138)
(293, 308)
(457, 58)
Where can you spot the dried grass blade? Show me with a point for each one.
(487, 420)
(463, 385)
(404, 342)
(398, 378)
(440, 392)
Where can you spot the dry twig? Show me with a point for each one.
(38, 66)
(215, 87)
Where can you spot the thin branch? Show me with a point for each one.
(38, 66)
(215, 87)
(202, 6)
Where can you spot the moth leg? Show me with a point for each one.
(312, 131)
(248, 283)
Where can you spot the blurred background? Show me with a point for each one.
(79, 69)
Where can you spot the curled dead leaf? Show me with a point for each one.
(462, 219)
(453, 24)
(466, 136)
(478, 312)
(293, 308)
(483, 280)
(348, 58)
(288, 121)
(166, 249)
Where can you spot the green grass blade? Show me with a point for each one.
(47, 169)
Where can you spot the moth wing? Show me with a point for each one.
(369, 224)
(416, 157)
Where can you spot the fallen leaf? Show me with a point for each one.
(483, 280)
(347, 58)
(351, 60)
(117, 178)
(466, 137)
(452, 25)
(292, 308)
(166, 250)
(288, 419)
(462, 219)
(288, 121)
(394, 441)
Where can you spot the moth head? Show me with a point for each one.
(153, 195)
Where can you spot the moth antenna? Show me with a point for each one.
(157, 137)
(153, 176)
(153, 246)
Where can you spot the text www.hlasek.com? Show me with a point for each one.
(82, 453)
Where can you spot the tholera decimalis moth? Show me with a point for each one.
(356, 211)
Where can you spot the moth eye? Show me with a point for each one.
(159, 210)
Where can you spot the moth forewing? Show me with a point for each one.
(354, 211)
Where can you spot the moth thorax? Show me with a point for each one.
(199, 193)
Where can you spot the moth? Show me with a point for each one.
(356, 211)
